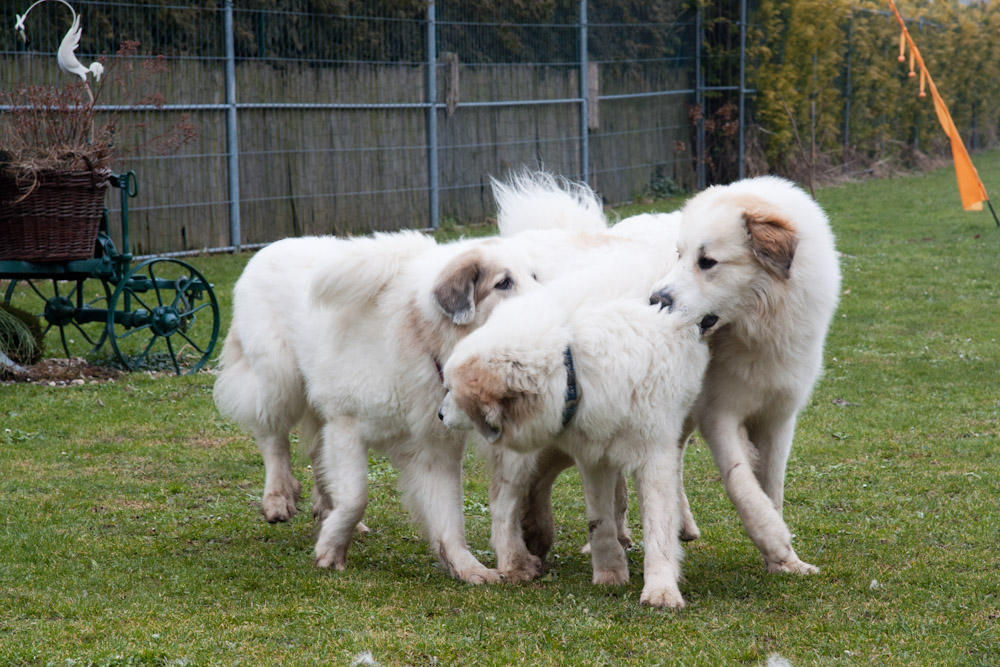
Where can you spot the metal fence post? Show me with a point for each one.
(584, 111)
(232, 145)
(743, 70)
(699, 98)
(847, 88)
(432, 135)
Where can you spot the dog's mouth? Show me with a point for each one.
(707, 323)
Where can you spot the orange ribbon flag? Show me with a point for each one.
(970, 188)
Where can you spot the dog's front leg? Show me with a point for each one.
(430, 481)
(344, 471)
(511, 475)
(730, 445)
(606, 552)
(657, 485)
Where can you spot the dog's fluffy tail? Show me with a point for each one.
(539, 200)
(240, 394)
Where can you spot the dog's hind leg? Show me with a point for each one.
(268, 409)
(281, 489)
(763, 523)
(688, 527)
(621, 515)
(344, 469)
(537, 523)
(430, 481)
(312, 438)
(773, 442)
(606, 552)
(621, 512)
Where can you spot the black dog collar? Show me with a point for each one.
(572, 390)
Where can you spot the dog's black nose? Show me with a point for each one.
(441, 414)
(663, 299)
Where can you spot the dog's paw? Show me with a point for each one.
(690, 532)
(278, 503)
(662, 598)
(625, 539)
(689, 527)
(615, 577)
(278, 507)
(335, 558)
(538, 539)
(793, 566)
(527, 570)
(321, 509)
(480, 575)
(362, 529)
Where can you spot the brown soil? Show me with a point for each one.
(60, 372)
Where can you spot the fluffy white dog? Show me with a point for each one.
(347, 337)
(535, 208)
(760, 255)
(585, 365)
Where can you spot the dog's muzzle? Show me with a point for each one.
(663, 299)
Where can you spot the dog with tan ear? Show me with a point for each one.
(760, 255)
(585, 365)
(346, 337)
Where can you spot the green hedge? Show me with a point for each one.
(829, 69)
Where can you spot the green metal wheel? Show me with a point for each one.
(163, 316)
(75, 309)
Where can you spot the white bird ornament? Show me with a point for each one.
(66, 56)
(67, 59)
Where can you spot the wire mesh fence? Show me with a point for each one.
(366, 116)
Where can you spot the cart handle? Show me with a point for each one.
(127, 182)
(129, 186)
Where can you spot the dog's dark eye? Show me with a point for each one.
(705, 263)
(504, 284)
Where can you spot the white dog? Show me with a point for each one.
(584, 364)
(760, 255)
(347, 337)
(531, 205)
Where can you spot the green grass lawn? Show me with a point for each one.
(131, 533)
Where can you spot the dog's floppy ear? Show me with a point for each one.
(478, 391)
(455, 288)
(488, 423)
(772, 239)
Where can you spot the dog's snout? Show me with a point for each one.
(662, 298)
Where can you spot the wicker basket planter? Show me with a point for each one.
(52, 219)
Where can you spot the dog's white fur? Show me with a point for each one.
(535, 208)
(638, 371)
(343, 336)
(759, 254)
(776, 284)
